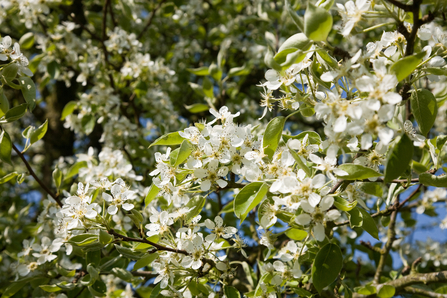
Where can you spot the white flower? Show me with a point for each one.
(217, 230)
(120, 196)
(316, 216)
(352, 13)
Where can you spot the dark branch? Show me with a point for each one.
(30, 170)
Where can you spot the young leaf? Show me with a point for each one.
(425, 108)
(343, 204)
(297, 41)
(317, 23)
(74, 169)
(327, 265)
(27, 40)
(386, 291)
(169, 139)
(296, 19)
(201, 71)
(151, 194)
(57, 177)
(272, 135)
(8, 177)
(369, 225)
(184, 152)
(248, 198)
(405, 66)
(296, 234)
(197, 108)
(5, 147)
(399, 158)
(355, 217)
(357, 172)
(39, 132)
(68, 109)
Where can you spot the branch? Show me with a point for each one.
(142, 240)
(426, 278)
(405, 7)
(422, 292)
(149, 22)
(30, 170)
(391, 237)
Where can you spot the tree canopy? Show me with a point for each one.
(210, 148)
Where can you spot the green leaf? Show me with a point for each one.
(98, 289)
(272, 135)
(288, 57)
(12, 289)
(5, 147)
(88, 123)
(128, 252)
(215, 72)
(355, 217)
(28, 91)
(74, 169)
(94, 273)
(4, 103)
(300, 163)
(405, 66)
(270, 61)
(197, 108)
(169, 139)
(68, 109)
(151, 194)
(327, 265)
(155, 291)
(357, 172)
(369, 225)
(424, 108)
(104, 237)
(9, 72)
(201, 71)
(57, 177)
(312, 137)
(39, 132)
(184, 152)
(53, 69)
(296, 19)
(8, 177)
(432, 180)
(231, 292)
(197, 89)
(343, 204)
(50, 288)
(297, 41)
(197, 204)
(372, 188)
(122, 273)
(238, 71)
(126, 8)
(207, 87)
(296, 234)
(386, 291)
(324, 55)
(16, 113)
(248, 198)
(399, 158)
(317, 23)
(26, 41)
(366, 290)
(143, 262)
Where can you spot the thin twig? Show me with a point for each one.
(142, 240)
(151, 18)
(32, 173)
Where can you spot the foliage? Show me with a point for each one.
(136, 160)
